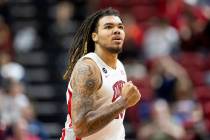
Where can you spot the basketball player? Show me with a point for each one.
(98, 92)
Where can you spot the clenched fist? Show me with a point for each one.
(130, 94)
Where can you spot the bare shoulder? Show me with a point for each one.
(86, 77)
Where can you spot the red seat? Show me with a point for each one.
(144, 12)
(145, 88)
(192, 60)
(206, 109)
(208, 62)
(117, 4)
(142, 2)
(197, 77)
(203, 93)
(207, 122)
(132, 116)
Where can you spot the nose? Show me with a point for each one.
(116, 31)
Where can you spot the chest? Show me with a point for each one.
(112, 83)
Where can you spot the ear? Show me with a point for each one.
(95, 36)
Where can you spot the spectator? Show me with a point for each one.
(189, 114)
(10, 69)
(191, 31)
(61, 31)
(60, 36)
(162, 126)
(26, 39)
(14, 101)
(134, 37)
(18, 115)
(35, 127)
(160, 42)
(5, 38)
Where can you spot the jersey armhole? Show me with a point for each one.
(98, 70)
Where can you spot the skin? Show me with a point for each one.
(105, 45)
(89, 114)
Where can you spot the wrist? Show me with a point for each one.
(123, 102)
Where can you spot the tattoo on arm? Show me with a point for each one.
(84, 84)
(86, 118)
(101, 117)
(84, 79)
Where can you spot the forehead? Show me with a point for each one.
(109, 19)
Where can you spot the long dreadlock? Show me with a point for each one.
(82, 40)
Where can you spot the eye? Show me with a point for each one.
(108, 27)
(121, 27)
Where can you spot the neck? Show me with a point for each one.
(109, 58)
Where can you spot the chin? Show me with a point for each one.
(115, 50)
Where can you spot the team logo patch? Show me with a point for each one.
(104, 70)
(122, 72)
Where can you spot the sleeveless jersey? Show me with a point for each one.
(110, 91)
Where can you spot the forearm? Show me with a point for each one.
(96, 120)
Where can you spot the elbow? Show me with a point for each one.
(83, 127)
(80, 131)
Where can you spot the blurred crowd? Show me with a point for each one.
(17, 116)
(166, 54)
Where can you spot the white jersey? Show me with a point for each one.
(112, 82)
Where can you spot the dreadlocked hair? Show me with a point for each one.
(82, 41)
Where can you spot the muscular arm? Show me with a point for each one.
(87, 119)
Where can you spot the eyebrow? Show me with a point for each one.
(112, 24)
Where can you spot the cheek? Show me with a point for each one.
(123, 34)
(104, 36)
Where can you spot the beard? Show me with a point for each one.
(114, 50)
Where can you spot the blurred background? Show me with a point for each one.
(166, 54)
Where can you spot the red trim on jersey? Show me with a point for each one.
(78, 139)
(63, 134)
(69, 106)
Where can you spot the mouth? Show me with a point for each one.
(117, 38)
